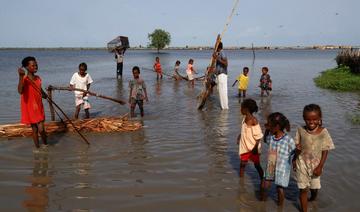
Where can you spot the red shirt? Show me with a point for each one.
(32, 109)
(157, 67)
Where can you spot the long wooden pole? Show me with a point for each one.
(51, 106)
(57, 106)
(210, 70)
(122, 102)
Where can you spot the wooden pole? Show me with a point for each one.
(51, 106)
(122, 102)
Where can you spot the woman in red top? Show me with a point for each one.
(157, 68)
(32, 109)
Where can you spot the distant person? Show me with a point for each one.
(119, 57)
(81, 80)
(280, 152)
(190, 71)
(313, 143)
(176, 75)
(157, 68)
(137, 93)
(221, 71)
(32, 109)
(249, 138)
(265, 82)
(243, 81)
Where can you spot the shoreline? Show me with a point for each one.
(199, 48)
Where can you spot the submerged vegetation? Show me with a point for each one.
(346, 77)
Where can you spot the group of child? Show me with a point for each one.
(243, 82)
(306, 154)
(190, 71)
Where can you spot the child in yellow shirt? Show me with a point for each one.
(243, 80)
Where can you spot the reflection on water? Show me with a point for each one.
(40, 180)
(183, 158)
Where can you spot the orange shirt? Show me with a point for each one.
(157, 67)
(32, 109)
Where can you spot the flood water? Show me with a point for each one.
(183, 159)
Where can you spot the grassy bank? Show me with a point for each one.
(340, 79)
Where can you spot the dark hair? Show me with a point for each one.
(177, 62)
(191, 60)
(220, 46)
(266, 69)
(313, 108)
(157, 58)
(250, 104)
(83, 65)
(246, 68)
(136, 68)
(26, 60)
(279, 119)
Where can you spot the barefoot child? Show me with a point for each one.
(157, 68)
(249, 142)
(243, 80)
(32, 109)
(137, 92)
(190, 71)
(281, 149)
(313, 143)
(265, 82)
(81, 80)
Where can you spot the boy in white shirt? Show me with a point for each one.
(81, 80)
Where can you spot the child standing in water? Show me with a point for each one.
(157, 68)
(81, 80)
(281, 149)
(32, 109)
(243, 80)
(249, 142)
(265, 82)
(190, 72)
(313, 143)
(176, 71)
(137, 93)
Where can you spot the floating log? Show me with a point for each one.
(101, 124)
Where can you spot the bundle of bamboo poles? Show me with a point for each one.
(104, 124)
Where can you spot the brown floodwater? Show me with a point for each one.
(183, 159)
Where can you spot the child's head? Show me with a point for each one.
(245, 70)
(177, 63)
(82, 68)
(312, 116)
(157, 59)
(248, 106)
(30, 64)
(136, 72)
(277, 122)
(191, 61)
(264, 70)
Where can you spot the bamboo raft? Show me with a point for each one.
(103, 124)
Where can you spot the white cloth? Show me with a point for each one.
(79, 100)
(223, 91)
(80, 82)
(119, 57)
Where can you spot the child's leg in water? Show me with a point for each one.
(314, 193)
(244, 93)
(281, 195)
(259, 170)
(242, 168)
(132, 109)
(303, 199)
(141, 107)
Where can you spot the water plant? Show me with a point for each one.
(350, 58)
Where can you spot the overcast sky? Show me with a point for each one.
(92, 23)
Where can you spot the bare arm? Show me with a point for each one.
(234, 83)
(21, 79)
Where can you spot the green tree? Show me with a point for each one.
(159, 39)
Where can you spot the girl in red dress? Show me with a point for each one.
(32, 109)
